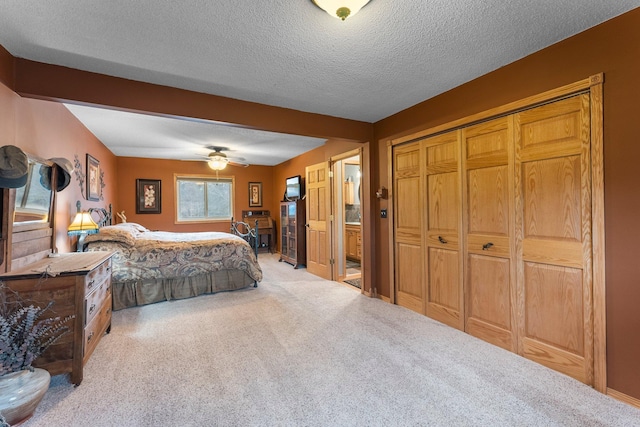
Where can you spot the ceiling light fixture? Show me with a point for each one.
(217, 161)
(341, 9)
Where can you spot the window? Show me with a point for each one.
(204, 198)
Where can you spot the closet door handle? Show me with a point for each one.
(486, 246)
(442, 240)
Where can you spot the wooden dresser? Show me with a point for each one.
(79, 284)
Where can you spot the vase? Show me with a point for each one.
(21, 392)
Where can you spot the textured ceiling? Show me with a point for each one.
(140, 135)
(289, 53)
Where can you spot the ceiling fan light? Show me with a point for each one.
(341, 9)
(217, 162)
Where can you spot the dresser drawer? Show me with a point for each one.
(96, 299)
(97, 276)
(96, 328)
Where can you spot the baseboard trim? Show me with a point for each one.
(623, 397)
(385, 299)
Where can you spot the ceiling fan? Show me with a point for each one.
(217, 160)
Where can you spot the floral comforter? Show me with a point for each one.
(143, 254)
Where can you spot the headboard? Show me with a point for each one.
(102, 216)
(244, 230)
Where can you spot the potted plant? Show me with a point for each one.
(26, 331)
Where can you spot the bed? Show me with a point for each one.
(152, 266)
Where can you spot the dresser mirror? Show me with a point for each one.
(27, 233)
(33, 200)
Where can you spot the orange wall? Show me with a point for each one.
(296, 166)
(132, 168)
(47, 129)
(612, 48)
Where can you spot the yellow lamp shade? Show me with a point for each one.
(82, 224)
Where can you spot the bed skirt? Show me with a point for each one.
(148, 291)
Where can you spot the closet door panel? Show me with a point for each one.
(409, 245)
(443, 207)
(488, 201)
(443, 227)
(554, 295)
(553, 214)
(408, 219)
(408, 228)
(489, 223)
(489, 300)
(554, 199)
(409, 276)
(443, 299)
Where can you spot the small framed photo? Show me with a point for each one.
(255, 194)
(148, 196)
(93, 178)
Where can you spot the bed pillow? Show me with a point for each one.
(113, 233)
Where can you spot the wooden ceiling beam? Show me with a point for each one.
(62, 84)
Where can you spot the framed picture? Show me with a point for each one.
(255, 194)
(148, 196)
(93, 178)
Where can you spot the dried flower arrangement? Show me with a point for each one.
(25, 332)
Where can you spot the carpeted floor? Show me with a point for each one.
(302, 351)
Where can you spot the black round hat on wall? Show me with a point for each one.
(14, 167)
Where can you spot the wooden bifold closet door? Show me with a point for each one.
(408, 239)
(489, 224)
(443, 225)
(492, 232)
(553, 197)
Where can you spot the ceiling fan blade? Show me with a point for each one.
(243, 165)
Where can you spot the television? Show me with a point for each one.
(294, 188)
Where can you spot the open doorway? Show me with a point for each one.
(347, 174)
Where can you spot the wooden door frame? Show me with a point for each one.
(334, 207)
(594, 86)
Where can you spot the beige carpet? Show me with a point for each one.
(301, 351)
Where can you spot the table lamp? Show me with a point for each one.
(81, 226)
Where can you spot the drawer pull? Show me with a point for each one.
(442, 240)
(90, 284)
(93, 307)
(486, 246)
(90, 337)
